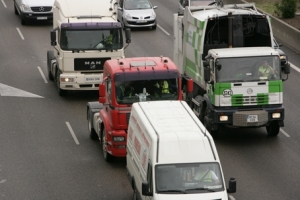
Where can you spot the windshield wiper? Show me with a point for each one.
(206, 189)
(181, 191)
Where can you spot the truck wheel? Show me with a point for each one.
(50, 56)
(92, 132)
(273, 129)
(60, 91)
(107, 157)
(207, 125)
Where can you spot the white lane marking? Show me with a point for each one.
(72, 133)
(20, 33)
(294, 67)
(285, 133)
(3, 181)
(42, 74)
(231, 197)
(163, 29)
(4, 4)
(6, 90)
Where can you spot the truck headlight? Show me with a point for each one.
(223, 118)
(276, 115)
(118, 139)
(66, 80)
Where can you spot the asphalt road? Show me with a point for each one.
(45, 150)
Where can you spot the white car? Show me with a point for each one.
(136, 13)
(32, 10)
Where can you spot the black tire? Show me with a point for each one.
(60, 91)
(92, 132)
(50, 56)
(273, 129)
(16, 11)
(207, 124)
(23, 21)
(154, 27)
(135, 195)
(107, 157)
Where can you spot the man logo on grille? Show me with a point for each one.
(41, 9)
(227, 93)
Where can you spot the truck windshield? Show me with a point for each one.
(128, 92)
(94, 39)
(188, 178)
(248, 69)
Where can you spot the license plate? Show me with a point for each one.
(141, 21)
(92, 79)
(252, 118)
(41, 18)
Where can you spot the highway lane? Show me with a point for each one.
(39, 158)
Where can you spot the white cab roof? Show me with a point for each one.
(244, 51)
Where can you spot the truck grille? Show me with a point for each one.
(41, 9)
(240, 118)
(89, 64)
(250, 100)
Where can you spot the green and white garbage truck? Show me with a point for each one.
(223, 50)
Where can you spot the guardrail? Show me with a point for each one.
(286, 34)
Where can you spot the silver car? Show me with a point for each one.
(32, 10)
(136, 13)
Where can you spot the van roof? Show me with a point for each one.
(181, 136)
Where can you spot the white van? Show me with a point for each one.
(170, 154)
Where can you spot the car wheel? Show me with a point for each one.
(16, 11)
(23, 21)
(107, 157)
(154, 27)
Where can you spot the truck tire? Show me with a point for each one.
(207, 125)
(50, 56)
(107, 157)
(92, 132)
(273, 129)
(60, 91)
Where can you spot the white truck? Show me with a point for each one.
(170, 154)
(212, 44)
(85, 35)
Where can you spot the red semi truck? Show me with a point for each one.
(108, 118)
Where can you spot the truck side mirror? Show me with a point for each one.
(128, 35)
(145, 189)
(207, 74)
(53, 38)
(190, 85)
(102, 89)
(232, 185)
(287, 68)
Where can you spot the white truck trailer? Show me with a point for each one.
(213, 43)
(170, 154)
(85, 34)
